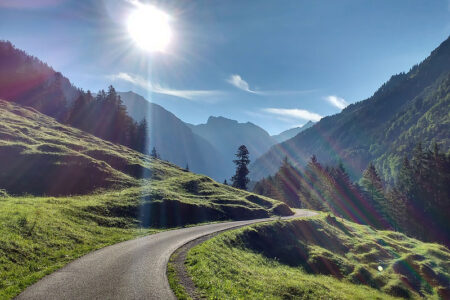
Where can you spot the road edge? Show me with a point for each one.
(180, 282)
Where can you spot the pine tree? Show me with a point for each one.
(187, 167)
(288, 182)
(154, 153)
(225, 182)
(374, 191)
(312, 194)
(141, 137)
(240, 179)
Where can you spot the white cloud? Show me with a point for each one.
(293, 113)
(240, 83)
(337, 101)
(237, 81)
(157, 88)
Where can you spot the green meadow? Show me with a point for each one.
(319, 257)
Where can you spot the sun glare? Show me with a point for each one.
(150, 29)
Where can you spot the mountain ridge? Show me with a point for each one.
(26, 80)
(290, 133)
(358, 134)
(172, 138)
(227, 135)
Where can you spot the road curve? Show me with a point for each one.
(134, 269)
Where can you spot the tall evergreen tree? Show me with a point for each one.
(154, 153)
(142, 137)
(374, 192)
(240, 179)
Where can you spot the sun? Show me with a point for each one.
(150, 29)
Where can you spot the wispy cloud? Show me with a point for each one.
(136, 80)
(157, 88)
(237, 81)
(293, 113)
(240, 83)
(336, 101)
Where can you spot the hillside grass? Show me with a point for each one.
(64, 193)
(41, 157)
(318, 258)
(39, 235)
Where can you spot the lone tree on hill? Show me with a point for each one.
(154, 154)
(240, 179)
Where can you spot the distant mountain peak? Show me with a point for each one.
(220, 119)
(290, 133)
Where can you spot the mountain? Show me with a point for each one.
(290, 133)
(26, 80)
(409, 108)
(173, 139)
(227, 135)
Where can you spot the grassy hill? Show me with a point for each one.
(318, 258)
(64, 193)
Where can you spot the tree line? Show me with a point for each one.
(417, 203)
(26, 80)
(106, 117)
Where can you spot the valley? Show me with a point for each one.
(195, 150)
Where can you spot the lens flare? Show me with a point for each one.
(150, 29)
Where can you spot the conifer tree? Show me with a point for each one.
(154, 153)
(374, 191)
(141, 136)
(240, 179)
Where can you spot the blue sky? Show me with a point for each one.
(274, 63)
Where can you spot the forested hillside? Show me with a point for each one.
(26, 80)
(418, 204)
(409, 108)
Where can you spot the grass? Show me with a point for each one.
(40, 156)
(64, 193)
(39, 235)
(172, 276)
(318, 258)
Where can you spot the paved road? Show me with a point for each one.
(133, 269)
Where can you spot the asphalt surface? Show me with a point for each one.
(134, 269)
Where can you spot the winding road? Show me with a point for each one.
(134, 269)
